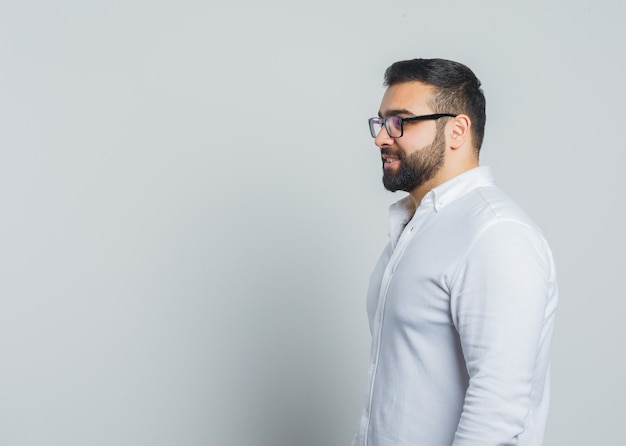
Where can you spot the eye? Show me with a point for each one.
(395, 121)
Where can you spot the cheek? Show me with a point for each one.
(416, 142)
(413, 149)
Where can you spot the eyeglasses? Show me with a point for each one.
(395, 124)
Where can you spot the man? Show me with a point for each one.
(461, 303)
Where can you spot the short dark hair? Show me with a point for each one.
(457, 89)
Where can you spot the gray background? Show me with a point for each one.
(191, 207)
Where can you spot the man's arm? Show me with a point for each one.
(502, 308)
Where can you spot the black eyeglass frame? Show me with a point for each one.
(385, 122)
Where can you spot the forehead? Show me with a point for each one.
(411, 96)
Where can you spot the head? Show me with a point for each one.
(456, 89)
(443, 144)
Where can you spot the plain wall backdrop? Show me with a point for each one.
(191, 205)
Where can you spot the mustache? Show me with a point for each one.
(397, 153)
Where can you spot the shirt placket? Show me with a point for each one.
(409, 232)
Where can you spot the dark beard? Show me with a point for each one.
(418, 167)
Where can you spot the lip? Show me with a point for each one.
(389, 161)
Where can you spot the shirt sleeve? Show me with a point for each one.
(499, 304)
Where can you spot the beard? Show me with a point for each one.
(416, 168)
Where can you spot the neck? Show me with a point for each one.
(447, 172)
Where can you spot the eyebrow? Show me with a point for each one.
(396, 112)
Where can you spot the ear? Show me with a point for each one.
(460, 131)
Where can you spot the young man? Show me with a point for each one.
(461, 303)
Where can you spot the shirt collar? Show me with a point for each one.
(401, 212)
(459, 185)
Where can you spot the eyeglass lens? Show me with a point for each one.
(392, 123)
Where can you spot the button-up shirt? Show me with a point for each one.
(461, 311)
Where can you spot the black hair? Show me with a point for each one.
(457, 89)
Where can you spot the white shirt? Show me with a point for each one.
(461, 309)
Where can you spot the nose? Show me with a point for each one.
(383, 138)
